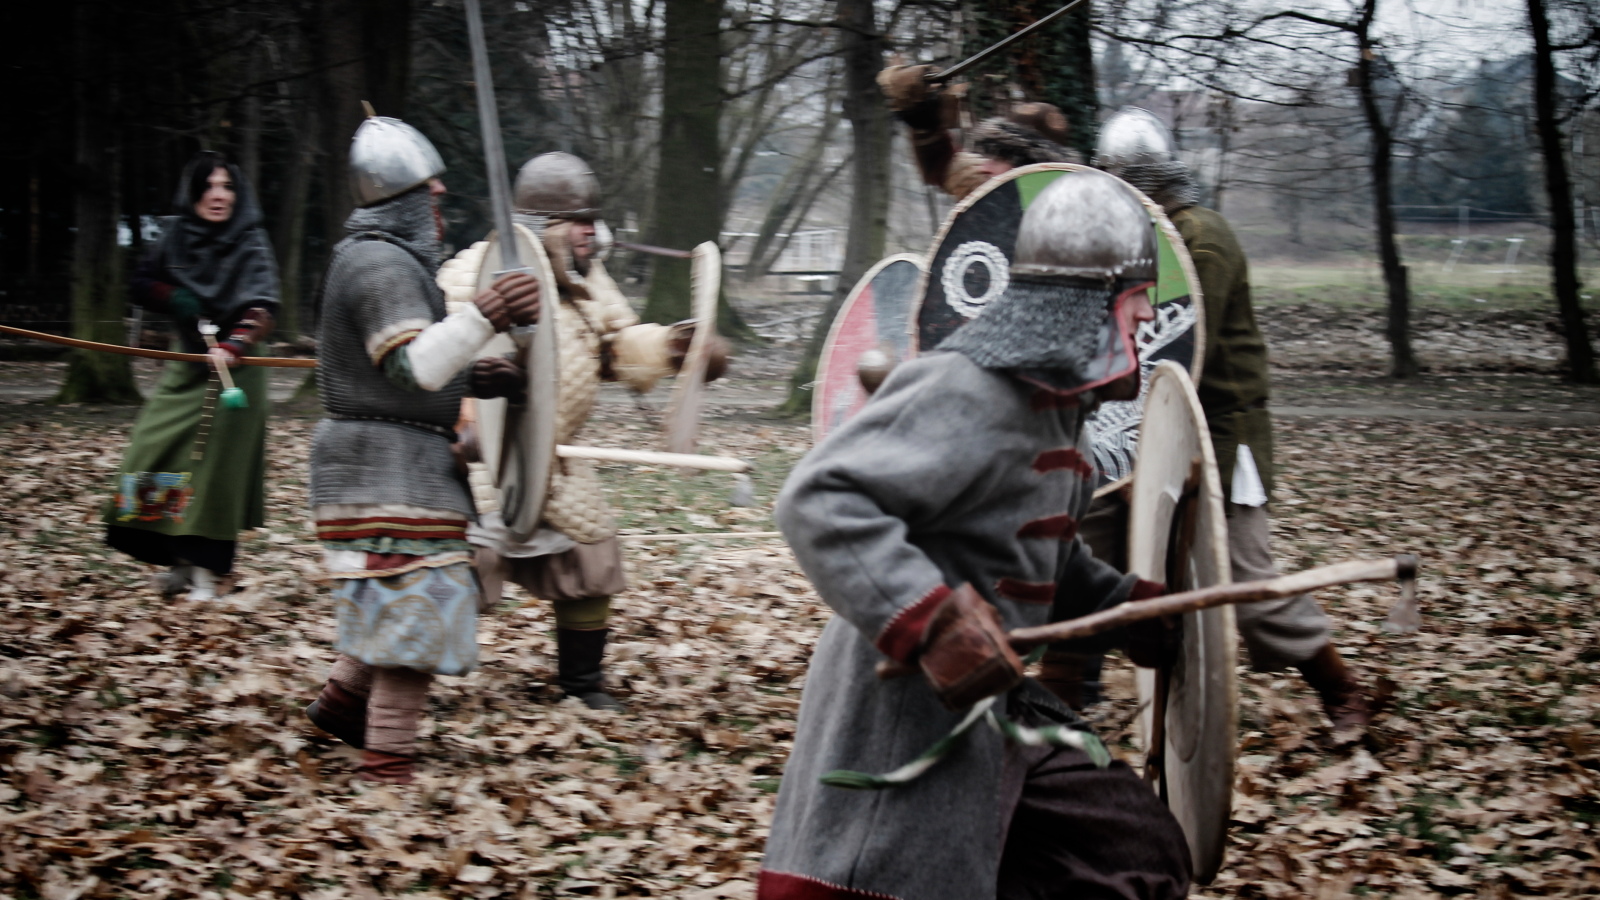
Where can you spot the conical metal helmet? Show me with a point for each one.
(558, 185)
(1133, 136)
(388, 158)
(1086, 224)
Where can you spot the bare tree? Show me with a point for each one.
(1563, 228)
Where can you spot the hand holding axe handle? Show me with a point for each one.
(1402, 568)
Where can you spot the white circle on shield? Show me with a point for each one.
(976, 273)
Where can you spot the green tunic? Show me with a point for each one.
(1233, 383)
(162, 485)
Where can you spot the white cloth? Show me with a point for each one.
(490, 531)
(1247, 489)
(447, 346)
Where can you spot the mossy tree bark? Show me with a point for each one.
(99, 282)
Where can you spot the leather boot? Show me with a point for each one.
(1073, 677)
(340, 713)
(578, 670)
(388, 768)
(1349, 706)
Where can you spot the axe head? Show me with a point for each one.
(1405, 617)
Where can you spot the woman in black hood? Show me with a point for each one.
(193, 476)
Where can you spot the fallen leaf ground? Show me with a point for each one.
(152, 748)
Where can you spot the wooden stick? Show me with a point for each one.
(271, 362)
(654, 458)
(1402, 568)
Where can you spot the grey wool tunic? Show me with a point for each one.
(951, 474)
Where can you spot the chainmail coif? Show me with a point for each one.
(1167, 183)
(406, 220)
(1039, 323)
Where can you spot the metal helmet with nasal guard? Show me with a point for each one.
(1085, 248)
(388, 158)
(557, 185)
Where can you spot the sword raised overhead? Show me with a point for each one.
(494, 150)
(987, 52)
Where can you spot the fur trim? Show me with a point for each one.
(1015, 144)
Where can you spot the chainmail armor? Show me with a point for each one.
(1167, 183)
(1039, 323)
(381, 277)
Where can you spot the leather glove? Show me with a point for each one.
(905, 86)
(717, 350)
(512, 300)
(965, 654)
(497, 376)
(1153, 643)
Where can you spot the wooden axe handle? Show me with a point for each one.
(1402, 568)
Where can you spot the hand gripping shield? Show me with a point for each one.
(519, 439)
(867, 338)
(1177, 534)
(683, 411)
(969, 265)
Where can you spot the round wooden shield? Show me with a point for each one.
(683, 411)
(970, 265)
(519, 440)
(1177, 534)
(873, 317)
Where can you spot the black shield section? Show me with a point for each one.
(993, 219)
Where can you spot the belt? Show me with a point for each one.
(425, 426)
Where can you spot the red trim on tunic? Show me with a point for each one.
(1044, 400)
(902, 635)
(382, 561)
(391, 526)
(1026, 591)
(1061, 528)
(1063, 458)
(789, 886)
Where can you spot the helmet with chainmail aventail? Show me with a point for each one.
(558, 186)
(1085, 247)
(388, 158)
(1135, 146)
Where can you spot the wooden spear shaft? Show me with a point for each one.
(653, 458)
(273, 362)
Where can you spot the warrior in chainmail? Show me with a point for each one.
(1233, 387)
(390, 503)
(574, 560)
(1029, 133)
(943, 514)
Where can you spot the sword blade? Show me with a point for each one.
(494, 151)
(984, 54)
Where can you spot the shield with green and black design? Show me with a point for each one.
(969, 266)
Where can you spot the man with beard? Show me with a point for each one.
(1030, 133)
(390, 505)
(1134, 145)
(574, 560)
(941, 515)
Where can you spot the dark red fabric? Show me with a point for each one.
(1144, 590)
(788, 886)
(1045, 400)
(1026, 591)
(901, 637)
(1061, 528)
(1063, 458)
(377, 562)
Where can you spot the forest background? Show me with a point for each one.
(1349, 142)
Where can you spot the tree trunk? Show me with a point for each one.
(99, 289)
(1563, 229)
(861, 47)
(687, 208)
(1404, 362)
(289, 237)
(1055, 65)
(364, 50)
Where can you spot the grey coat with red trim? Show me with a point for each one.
(952, 474)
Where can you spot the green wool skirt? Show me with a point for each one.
(194, 473)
